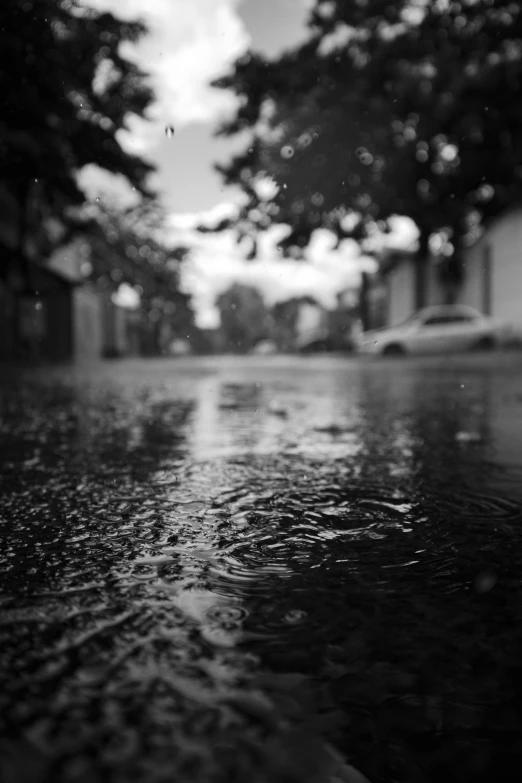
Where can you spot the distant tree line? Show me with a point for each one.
(246, 321)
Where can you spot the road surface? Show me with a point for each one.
(262, 569)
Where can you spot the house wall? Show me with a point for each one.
(39, 326)
(472, 292)
(132, 331)
(401, 293)
(378, 305)
(58, 344)
(493, 271)
(492, 277)
(435, 292)
(115, 341)
(6, 322)
(505, 242)
(87, 323)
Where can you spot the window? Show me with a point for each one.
(442, 320)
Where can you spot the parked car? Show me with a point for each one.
(441, 329)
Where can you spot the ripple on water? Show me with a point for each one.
(289, 534)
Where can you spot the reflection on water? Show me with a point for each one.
(182, 540)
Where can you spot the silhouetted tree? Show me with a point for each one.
(65, 92)
(388, 108)
(126, 247)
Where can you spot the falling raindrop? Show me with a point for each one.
(169, 131)
(485, 580)
(295, 616)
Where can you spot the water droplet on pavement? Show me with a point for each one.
(485, 581)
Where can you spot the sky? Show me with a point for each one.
(190, 43)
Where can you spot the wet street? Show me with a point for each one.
(262, 569)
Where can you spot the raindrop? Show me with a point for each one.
(226, 614)
(169, 131)
(294, 616)
(485, 580)
(287, 152)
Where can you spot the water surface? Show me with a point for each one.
(261, 568)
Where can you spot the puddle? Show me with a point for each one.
(172, 550)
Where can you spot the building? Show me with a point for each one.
(342, 320)
(493, 271)
(37, 325)
(61, 316)
(492, 279)
(397, 290)
(100, 327)
(86, 326)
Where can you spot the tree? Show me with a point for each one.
(388, 108)
(244, 317)
(66, 91)
(125, 247)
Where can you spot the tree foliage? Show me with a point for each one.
(388, 108)
(66, 91)
(125, 247)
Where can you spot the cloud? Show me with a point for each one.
(126, 297)
(191, 42)
(216, 261)
(188, 221)
(337, 40)
(404, 233)
(99, 183)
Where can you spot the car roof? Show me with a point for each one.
(456, 309)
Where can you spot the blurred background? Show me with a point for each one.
(209, 176)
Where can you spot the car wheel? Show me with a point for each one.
(394, 349)
(485, 344)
